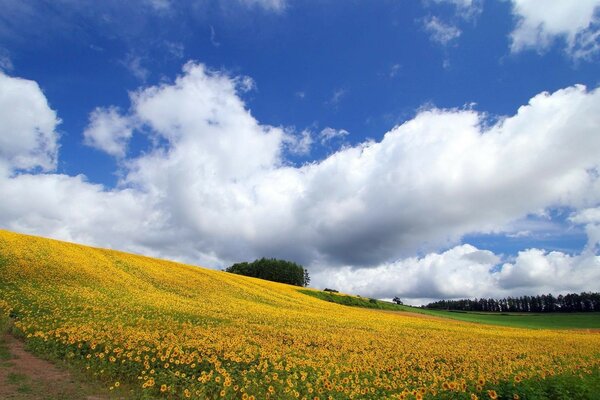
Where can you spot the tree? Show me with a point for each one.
(572, 302)
(397, 300)
(272, 269)
(306, 278)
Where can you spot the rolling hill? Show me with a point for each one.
(177, 331)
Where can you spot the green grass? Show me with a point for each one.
(584, 385)
(590, 320)
(354, 301)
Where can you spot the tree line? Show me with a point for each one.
(572, 302)
(274, 270)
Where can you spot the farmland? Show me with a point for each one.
(169, 330)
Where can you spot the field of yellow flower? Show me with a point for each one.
(178, 331)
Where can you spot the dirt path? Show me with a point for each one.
(26, 377)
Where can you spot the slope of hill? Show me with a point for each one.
(178, 331)
(587, 320)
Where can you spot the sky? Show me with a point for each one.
(421, 149)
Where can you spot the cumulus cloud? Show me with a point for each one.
(108, 131)
(28, 137)
(216, 188)
(575, 22)
(455, 273)
(466, 272)
(441, 32)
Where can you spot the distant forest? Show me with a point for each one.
(573, 302)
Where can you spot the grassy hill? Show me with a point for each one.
(587, 320)
(170, 330)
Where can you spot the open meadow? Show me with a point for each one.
(167, 330)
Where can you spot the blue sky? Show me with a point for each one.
(315, 87)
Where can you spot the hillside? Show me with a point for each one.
(177, 331)
(587, 320)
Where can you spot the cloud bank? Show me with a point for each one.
(216, 187)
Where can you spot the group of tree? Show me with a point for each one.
(572, 302)
(274, 270)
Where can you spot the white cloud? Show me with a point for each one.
(456, 273)
(468, 272)
(439, 31)
(587, 216)
(427, 183)
(28, 137)
(537, 271)
(328, 134)
(576, 22)
(590, 217)
(217, 189)
(108, 131)
(299, 144)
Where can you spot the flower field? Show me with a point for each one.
(175, 331)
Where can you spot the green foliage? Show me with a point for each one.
(568, 386)
(272, 269)
(584, 385)
(353, 301)
(572, 302)
(590, 320)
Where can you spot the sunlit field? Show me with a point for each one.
(169, 330)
